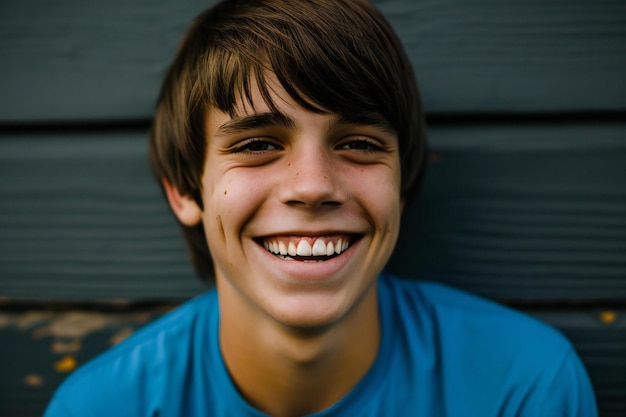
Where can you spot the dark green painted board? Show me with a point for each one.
(35, 344)
(511, 212)
(104, 60)
(82, 218)
(538, 222)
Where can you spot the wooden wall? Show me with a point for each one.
(524, 201)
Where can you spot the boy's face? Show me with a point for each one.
(301, 210)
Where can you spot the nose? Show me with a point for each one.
(312, 179)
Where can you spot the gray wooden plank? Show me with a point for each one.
(511, 212)
(81, 218)
(524, 212)
(89, 60)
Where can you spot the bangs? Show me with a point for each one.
(229, 84)
(324, 69)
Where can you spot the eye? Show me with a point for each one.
(364, 144)
(255, 145)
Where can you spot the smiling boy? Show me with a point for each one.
(288, 138)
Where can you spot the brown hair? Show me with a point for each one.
(330, 56)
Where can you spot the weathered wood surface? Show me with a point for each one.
(522, 212)
(104, 60)
(81, 219)
(508, 211)
(38, 349)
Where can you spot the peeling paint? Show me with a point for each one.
(121, 335)
(71, 324)
(608, 317)
(74, 325)
(61, 346)
(65, 364)
(32, 318)
(68, 329)
(65, 333)
(33, 380)
(24, 321)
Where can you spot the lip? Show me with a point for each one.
(307, 234)
(290, 270)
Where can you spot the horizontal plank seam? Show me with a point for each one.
(433, 119)
(122, 305)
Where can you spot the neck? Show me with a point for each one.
(288, 372)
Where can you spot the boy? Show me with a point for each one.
(288, 137)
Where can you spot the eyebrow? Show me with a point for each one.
(256, 121)
(365, 119)
(269, 119)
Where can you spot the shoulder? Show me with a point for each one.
(484, 350)
(468, 315)
(121, 378)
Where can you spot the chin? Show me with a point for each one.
(308, 312)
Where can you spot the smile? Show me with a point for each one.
(307, 249)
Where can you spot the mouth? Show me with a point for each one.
(307, 248)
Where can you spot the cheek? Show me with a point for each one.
(380, 186)
(232, 201)
(378, 192)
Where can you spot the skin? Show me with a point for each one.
(296, 336)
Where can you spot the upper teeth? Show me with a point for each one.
(304, 248)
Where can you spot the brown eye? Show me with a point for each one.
(256, 145)
(362, 144)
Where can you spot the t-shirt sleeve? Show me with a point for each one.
(56, 408)
(570, 393)
(97, 390)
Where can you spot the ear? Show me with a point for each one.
(183, 206)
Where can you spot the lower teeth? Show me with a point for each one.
(289, 258)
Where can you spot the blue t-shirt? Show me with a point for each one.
(443, 353)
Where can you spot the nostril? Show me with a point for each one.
(330, 203)
(313, 182)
